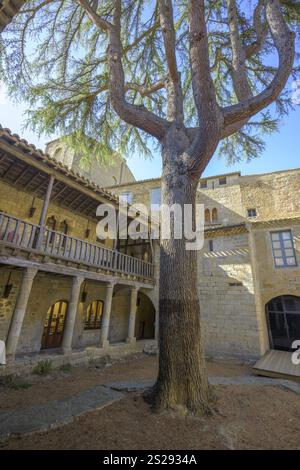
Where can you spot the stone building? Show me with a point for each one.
(64, 291)
(249, 276)
(61, 288)
(103, 173)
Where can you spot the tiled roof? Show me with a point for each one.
(15, 140)
(8, 9)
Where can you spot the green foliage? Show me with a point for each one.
(14, 382)
(54, 57)
(66, 367)
(43, 367)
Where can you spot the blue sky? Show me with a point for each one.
(282, 149)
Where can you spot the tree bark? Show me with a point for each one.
(182, 379)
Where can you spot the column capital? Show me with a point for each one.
(111, 285)
(134, 288)
(78, 280)
(30, 273)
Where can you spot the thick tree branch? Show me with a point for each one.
(261, 30)
(137, 116)
(284, 42)
(175, 98)
(209, 116)
(238, 69)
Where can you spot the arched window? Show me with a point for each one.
(214, 215)
(51, 223)
(64, 228)
(58, 154)
(54, 325)
(94, 315)
(207, 216)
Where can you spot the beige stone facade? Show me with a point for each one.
(114, 171)
(69, 272)
(237, 276)
(61, 288)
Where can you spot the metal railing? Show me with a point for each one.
(27, 235)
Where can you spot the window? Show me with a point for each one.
(283, 249)
(207, 216)
(203, 184)
(222, 180)
(155, 196)
(251, 212)
(115, 181)
(214, 215)
(126, 197)
(94, 315)
(64, 228)
(211, 245)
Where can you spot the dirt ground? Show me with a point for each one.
(246, 417)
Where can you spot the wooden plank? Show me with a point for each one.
(277, 364)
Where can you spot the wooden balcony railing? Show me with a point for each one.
(17, 232)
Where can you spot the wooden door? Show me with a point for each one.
(54, 325)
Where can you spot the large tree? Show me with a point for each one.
(189, 75)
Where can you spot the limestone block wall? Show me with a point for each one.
(227, 201)
(274, 195)
(118, 329)
(103, 173)
(227, 299)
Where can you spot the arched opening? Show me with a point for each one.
(207, 216)
(145, 318)
(94, 315)
(283, 318)
(214, 215)
(54, 325)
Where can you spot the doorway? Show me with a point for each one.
(54, 325)
(283, 318)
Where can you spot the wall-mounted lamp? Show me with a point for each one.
(32, 209)
(7, 288)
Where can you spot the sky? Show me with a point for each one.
(282, 150)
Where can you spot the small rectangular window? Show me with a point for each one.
(251, 212)
(211, 245)
(155, 196)
(222, 180)
(203, 184)
(126, 197)
(283, 249)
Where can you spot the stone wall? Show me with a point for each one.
(227, 303)
(103, 173)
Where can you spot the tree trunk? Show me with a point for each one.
(182, 379)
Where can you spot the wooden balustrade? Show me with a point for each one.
(26, 235)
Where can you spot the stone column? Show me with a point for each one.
(71, 314)
(46, 201)
(19, 312)
(156, 325)
(132, 315)
(106, 316)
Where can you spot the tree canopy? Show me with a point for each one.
(54, 56)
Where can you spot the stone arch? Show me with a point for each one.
(283, 320)
(214, 215)
(54, 325)
(207, 216)
(145, 317)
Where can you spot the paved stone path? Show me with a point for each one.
(52, 414)
(55, 413)
(133, 386)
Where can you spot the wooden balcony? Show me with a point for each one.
(28, 237)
